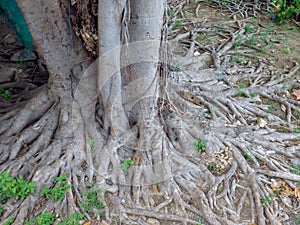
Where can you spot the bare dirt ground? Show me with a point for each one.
(241, 77)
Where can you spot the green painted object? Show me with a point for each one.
(12, 12)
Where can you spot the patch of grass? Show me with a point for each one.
(272, 106)
(91, 203)
(49, 219)
(74, 219)
(238, 59)
(5, 93)
(287, 50)
(43, 219)
(203, 38)
(177, 24)
(9, 221)
(296, 130)
(238, 42)
(295, 169)
(212, 166)
(171, 12)
(268, 200)
(252, 41)
(248, 29)
(264, 38)
(240, 92)
(59, 191)
(285, 9)
(200, 145)
(297, 220)
(126, 164)
(12, 187)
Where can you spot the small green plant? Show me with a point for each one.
(59, 191)
(9, 221)
(177, 24)
(238, 59)
(20, 62)
(271, 107)
(297, 220)
(295, 169)
(12, 187)
(219, 189)
(212, 166)
(285, 9)
(200, 145)
(297, 130)
(74, 219)
(91, 204)
(248, 29)
(42, 219)
(252, 41)
(175, 137)
(238, 42)
(287, 50)
(268, 200)
(5, 93)
(126, 164)
(171, 12)
(240, 92)
(91, 143)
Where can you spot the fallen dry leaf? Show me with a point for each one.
(88, 223)
(191, 97)
(287, 191)
(261, 122)
(281, 187)
(276, 185)
(296, 94)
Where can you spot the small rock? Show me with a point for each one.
(196, 53)
(153, 221)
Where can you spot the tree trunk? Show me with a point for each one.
(110, 126)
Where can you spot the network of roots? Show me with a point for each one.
(227, 131)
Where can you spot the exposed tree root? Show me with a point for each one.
(230, 182)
